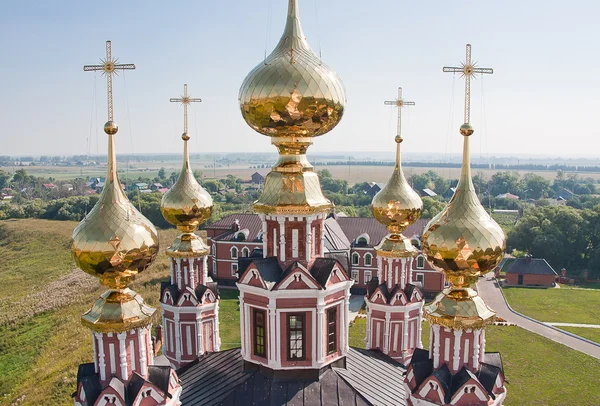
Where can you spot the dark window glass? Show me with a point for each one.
(296, 328)
(259, 333)
(331, 330)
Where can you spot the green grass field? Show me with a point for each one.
(556, 305)
(592, 334)
(42, 340)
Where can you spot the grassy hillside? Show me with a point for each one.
(42, 298)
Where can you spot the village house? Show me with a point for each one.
(530, 272)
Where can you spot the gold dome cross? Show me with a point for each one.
(467, 70)
(109, 67)
(185, 100)
(399, 102)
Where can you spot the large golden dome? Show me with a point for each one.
(397, 205)
(463, 240)
(114, 241)
(187, 204)
(292, 93)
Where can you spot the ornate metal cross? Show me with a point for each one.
(467, 70)
(109, 67)
(185, 100)
(399, 102)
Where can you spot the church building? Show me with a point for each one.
(293, 264)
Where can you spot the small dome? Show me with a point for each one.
(187, 204)
(292, 93)
(114, 241)
(463, 240)
(397, 205)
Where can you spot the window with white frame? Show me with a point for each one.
(367, 276)
(245, 252)
(420, 277)
(213, 249)
(446, 284)
(355, 258)
(234, 269)
(355, 276)
(420, 262)
(234, 252)
(368, 259)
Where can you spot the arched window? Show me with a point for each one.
(213, 249)
(368, 259)
(355, 258)
(234, 252)
(420, 262)
(245, 252)
(362, 239)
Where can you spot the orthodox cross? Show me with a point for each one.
(467, 70)
(109, 67)
(399, 102)
(185, 100)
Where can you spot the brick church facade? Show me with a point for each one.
(350, 239)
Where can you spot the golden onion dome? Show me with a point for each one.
(292, 93)
(397, 205)
(463, 240)
(187, 204)
(114, 241)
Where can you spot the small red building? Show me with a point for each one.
(531, 272)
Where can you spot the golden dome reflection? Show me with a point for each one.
(187, 204)
(397, 205)
(292, 93)
(463, 240)
(114, 241)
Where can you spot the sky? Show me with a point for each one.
(543, 98)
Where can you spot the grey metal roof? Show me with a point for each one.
(531, 266)
(335, 239)
(370, 378)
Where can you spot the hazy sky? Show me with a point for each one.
(543, 97)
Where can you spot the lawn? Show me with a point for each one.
(592, 334)
(533, 366)
(556, 305)
(42, 340)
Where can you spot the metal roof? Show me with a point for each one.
(370, 378)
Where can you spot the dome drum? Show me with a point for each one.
(118, 310)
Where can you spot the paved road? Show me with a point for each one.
(491, 293)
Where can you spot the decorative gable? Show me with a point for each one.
(252, 277)
(432, 390)
(471, 393)
(149, 395)
(399, 299)
(187, 298)
(299, 278)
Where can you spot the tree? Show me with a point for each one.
(536, 186)
(198, 175)
(324, 173)
(505, 182)
(20, 178)
(162, 174)
(431, 207)
(555, 233)
(4, 178)
(212, 186)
